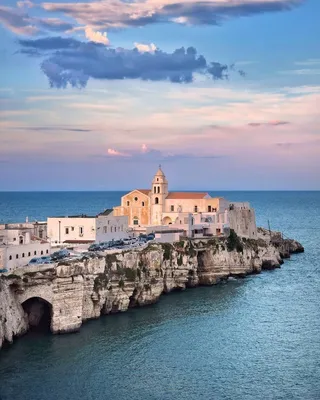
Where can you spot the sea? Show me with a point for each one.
(247, 339)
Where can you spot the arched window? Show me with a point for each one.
(128, 203)
(47, 251)
(158, 189)
(20, 239)
(135, 221)
(29, 254)
(143, 204)
(195, 208)
(156, 200)
(22, 255)
(155, 189)
(35, 253)
(42, 252)
(17, 255)
(10, 257)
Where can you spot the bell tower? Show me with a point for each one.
(159, 192)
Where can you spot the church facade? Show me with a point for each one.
(159, 206)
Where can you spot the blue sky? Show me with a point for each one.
(225, 94)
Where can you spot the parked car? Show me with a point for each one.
(60, 254)
(94, 247)
(40, 260)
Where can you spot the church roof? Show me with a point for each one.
(187, 195)
(159, 172)
(144, 191)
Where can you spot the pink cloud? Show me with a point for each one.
(116, 153)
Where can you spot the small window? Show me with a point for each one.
(72, 228)
(128, 203)
(209, 209)
(67, 231)
(17, 255)
(172, 208)
(136, 199)
(157, 179)
(155, 189)
(81, 230)
(35, 253)
(22, 255)
(156, 200)
(42, 252)
(135, 221)
(21, 240)
(29, 254)
(111, 229)
(195, 208)
(10, 257)
(143, 204)
(108, 222)
(47, 252)
(158, 189)
(115, 229)
(14, 239)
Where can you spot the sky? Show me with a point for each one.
(224, 94)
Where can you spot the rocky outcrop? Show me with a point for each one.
(109, 283)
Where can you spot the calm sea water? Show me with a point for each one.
(257, 338)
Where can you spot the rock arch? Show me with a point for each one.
(39, 313)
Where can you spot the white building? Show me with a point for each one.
(84, 229)
(18, 247)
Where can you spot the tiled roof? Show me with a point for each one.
(144, 191)
(187, 195)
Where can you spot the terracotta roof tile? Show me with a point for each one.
(144, 191)
(187, 195)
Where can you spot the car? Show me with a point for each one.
(60, 254)
(40, 260)
(94, 247)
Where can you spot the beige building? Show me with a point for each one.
(158, 207)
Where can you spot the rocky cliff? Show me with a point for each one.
(76, 291)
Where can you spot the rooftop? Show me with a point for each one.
(187, 195)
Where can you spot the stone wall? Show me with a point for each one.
(106, 284)
(243, 221)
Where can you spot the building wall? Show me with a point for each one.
(16, 256)
(243, 222)
(134, 204)
(111, 227)
(77, 228)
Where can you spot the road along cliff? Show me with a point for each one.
(64, 295)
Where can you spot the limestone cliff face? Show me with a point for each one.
(106, 284)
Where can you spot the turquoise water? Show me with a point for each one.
(256, 338)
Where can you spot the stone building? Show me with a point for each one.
(159, 207)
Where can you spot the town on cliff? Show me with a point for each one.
(67, 270)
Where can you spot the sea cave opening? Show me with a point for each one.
(39, 313)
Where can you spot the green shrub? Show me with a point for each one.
(100, 282)
(234, 242)
(121, 283)
(131, 274)
(166, 251)
(180, 260)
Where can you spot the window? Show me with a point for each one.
(135, 221)
(157, 179)
(81, 230)
(115, 229)
(143, 204)
(136, 199)
(128, 203)
(209, 208)
(111, 229)
(29, 254)
(21, 240)
(72, 228)
(22, 255)
(105, 229)
(47, 252)
(158, 189)
(35, 253)
(195, 208)
(17, 255)
(108, 222)
(172, 208)
(10, 257)
(67, 231)
(156, 200)
(42, 252)
(14, 239)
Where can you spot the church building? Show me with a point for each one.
(159, 206)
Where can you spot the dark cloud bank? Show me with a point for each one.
(69, 61)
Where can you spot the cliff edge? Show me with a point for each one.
(76, 291)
